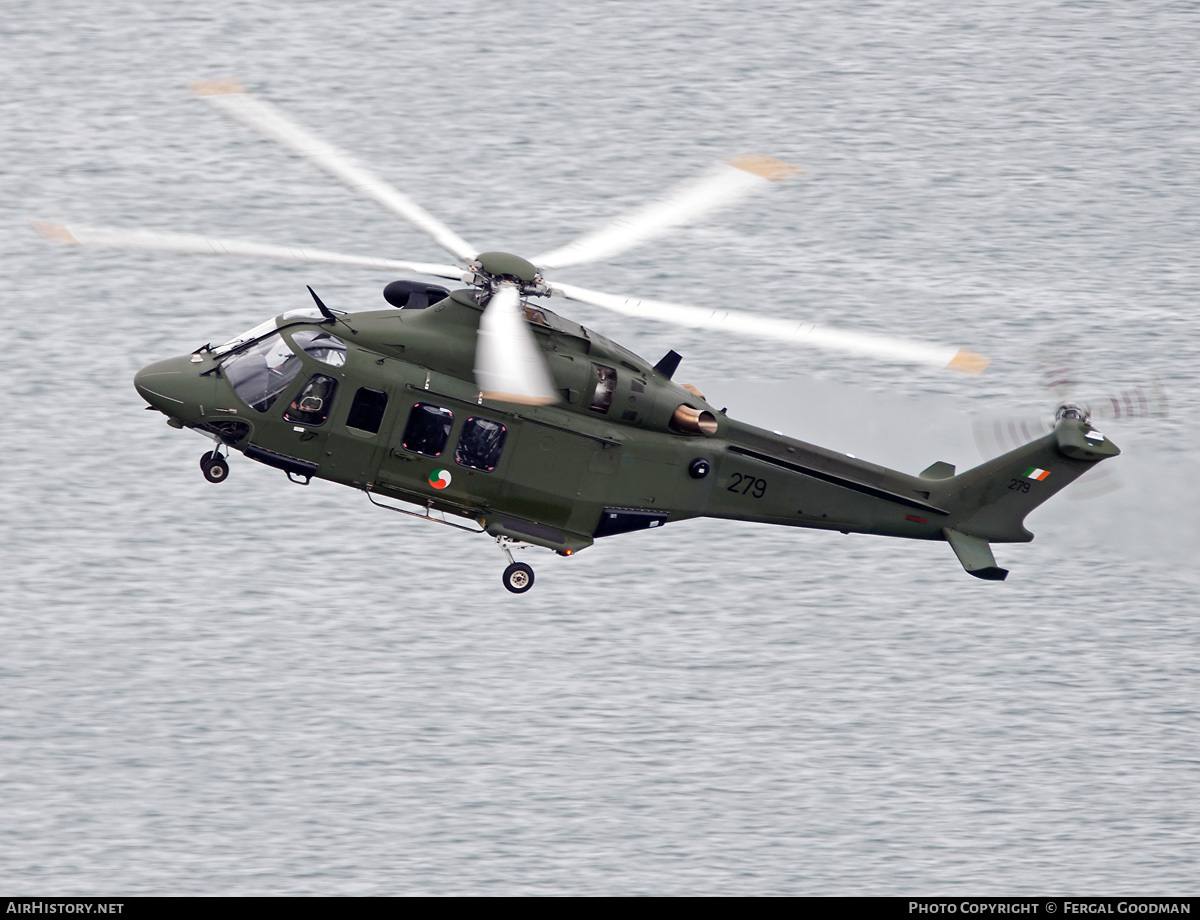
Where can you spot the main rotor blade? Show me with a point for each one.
(720, 186)
(263, 117)
(769, 327)
(508, 363)
(159, 241)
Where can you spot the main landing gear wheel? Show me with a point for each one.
(214, 467)
(518, 578)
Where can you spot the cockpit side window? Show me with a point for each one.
(260, 372)
(428, 429)
(311, 405)
(606, 385)
(480, 444)
(324, 347)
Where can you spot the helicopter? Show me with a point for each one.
(487, 411)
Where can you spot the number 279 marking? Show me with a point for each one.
(748, 485)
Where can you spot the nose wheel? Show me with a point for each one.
(214, 467)
(518, 577)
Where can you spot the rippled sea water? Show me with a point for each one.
(258, 689)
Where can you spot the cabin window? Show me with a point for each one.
(480, 444)
(324, 347)
(428, 429)
(606, 385)
(260, 372)
(311, 405)
(366, 412)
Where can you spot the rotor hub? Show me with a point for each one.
(1071, 410)
(490, 269)
(504, 266)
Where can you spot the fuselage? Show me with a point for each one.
(385, 402)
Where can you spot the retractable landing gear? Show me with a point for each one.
(518, 577)
(214, 466)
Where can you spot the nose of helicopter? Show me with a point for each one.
(174, 387)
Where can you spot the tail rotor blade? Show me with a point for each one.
(1058, 366)
(1143, 401)
(163, 241)
(1098, 481)
(1060, 369)
(508, 362)
(775, 329)
(721, 186)
(1000, 435)
(267, 120)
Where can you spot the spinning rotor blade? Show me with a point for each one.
(263, 117)
(158, 241)
(508, 363)
(996, 436)
(720, 186)
(769, 327)
(1060, 369)
(1142, 401)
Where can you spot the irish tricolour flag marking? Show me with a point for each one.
(439, 479)
(1034, 473)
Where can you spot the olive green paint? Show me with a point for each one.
(564, 465)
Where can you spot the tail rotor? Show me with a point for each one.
(1059, 376)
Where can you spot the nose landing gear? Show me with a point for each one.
(518, 577)
(214, 467)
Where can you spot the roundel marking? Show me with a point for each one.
(439, 479)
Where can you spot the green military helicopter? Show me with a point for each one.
(482, 404)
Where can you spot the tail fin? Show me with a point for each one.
(990, 502)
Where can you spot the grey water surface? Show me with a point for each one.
(256, 688)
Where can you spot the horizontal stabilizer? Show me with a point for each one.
(975, 555)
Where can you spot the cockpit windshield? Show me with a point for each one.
(260, 372)
(261, 329)
(268, 326)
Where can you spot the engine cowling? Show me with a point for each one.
(413, 295)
